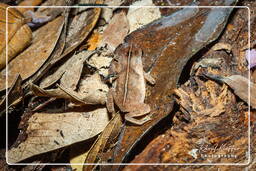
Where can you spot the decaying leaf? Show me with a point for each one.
(109, 134)
(19, 34)
(139, 16)
(116, 30)
(51, 131)
(30, 60)
(240, 86)
(193, 104)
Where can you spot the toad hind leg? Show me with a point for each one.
(141, 109)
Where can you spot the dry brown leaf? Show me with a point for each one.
(79, 35)
(55, 55)
(19, 34)
(69, 72)
(91, 91)
(240, 86)
(110, 132)
(80, 28)
(15, 95)
(51, 131)
(30, 60)
(28, 3)
(45, 14)
(116, 30)
(77, 31)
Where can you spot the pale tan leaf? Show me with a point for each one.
(51, 131)
(77, 157)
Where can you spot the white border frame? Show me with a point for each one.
(123, 164)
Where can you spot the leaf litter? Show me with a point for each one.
(80, 81)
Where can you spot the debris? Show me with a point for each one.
(101, 62)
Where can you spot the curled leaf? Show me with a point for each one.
(91, 91)
(30, 60)
(110, 132)
(19, 34)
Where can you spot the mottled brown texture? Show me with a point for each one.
(217, 125)
(166, 50)
(129, 88)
